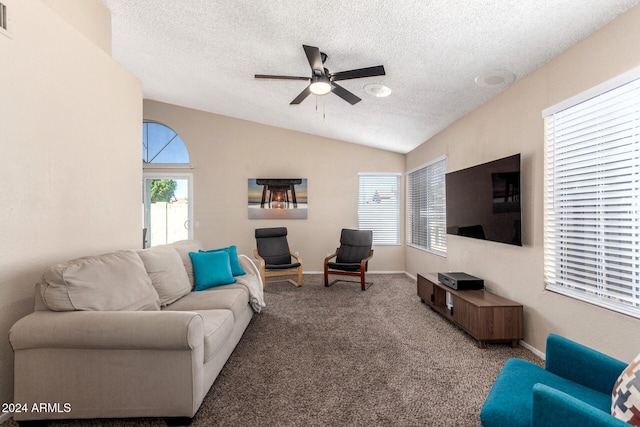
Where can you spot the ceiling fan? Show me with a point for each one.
(322, 81)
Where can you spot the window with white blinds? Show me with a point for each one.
(379, 206)
(592, 196)
(426, 207)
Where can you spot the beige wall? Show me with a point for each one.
(70, 119)
(511, 123)
(226, 152)
(91, 18)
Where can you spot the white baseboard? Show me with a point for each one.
(533, 350)
(5, 417)
(393, 272)
(410, 276)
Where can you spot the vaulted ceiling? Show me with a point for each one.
(203, 54)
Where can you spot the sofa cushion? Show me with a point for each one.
(236, 268)
(211, 269)
(218, 326)
(625, 403)
(184, 247)
(166, 270)
(231, 297)
(114, 281)
(510, 400)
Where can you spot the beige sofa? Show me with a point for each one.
(123, 335)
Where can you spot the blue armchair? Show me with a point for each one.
(574, 389)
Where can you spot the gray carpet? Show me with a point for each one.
(342, 357)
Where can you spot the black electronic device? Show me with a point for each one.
(483, 201)
(460, 281)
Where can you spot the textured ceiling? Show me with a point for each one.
(203, 54)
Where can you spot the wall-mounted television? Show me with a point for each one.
(483, 201)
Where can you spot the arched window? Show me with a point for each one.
(167, 196)
(162, 146)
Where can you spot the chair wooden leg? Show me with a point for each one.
(280, 276)
(294, 283)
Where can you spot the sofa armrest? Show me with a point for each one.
(161, 330)
(552, 407)
(582, 364)
(248, 266)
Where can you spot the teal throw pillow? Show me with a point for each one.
(211, 269)
(236, 269)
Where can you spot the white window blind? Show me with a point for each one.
(379, 207)
(592, 198)
(426, 207)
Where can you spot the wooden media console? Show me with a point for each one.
(483, 315)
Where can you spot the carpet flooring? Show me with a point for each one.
(342, 357)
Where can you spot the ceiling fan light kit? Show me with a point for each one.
(322, 81)
(320, 85)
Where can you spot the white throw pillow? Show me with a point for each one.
(110, 282)
(167, 272)
(184, 247)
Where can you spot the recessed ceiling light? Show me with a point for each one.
(495, 78)
(377, 89)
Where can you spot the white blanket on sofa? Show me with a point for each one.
(252, 282)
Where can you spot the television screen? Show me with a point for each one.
(483, 201)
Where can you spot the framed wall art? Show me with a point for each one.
(277, 198)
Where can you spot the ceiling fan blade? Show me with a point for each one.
(315, 59)
(306, 92)
(345, 94)
(359, 73)
(267, 76)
